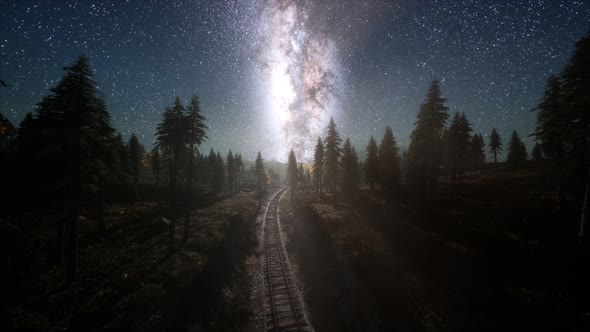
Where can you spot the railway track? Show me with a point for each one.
(283, 305)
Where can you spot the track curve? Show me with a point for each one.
(283, 304)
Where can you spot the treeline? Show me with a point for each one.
(436, 150)
(64, 154)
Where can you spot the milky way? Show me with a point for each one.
(300, 73)
(270, 73)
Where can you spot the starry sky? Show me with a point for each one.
(270, 73)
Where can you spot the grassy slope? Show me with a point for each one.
(126, 279)
(488, 260)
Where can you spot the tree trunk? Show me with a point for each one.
(101, 207)
(172, 225)
(495, 159)
(189, 194)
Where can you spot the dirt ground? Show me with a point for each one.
(490, 257)
(126, 278)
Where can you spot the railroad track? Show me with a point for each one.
(283, 305)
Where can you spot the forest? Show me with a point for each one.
(101, 231)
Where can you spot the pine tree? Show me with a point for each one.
(389, 168)
(478, 153)
(372, 163)
(495, 145)
(292, 173)
(231, 171)
(260, 172)
(136, 152)
(75, 135)
(459, 138)
(552, 126)
(155, 163)
(537, 154)
(172, 137)
(425, 141)
(349, 169)
(196, 135)
(219, 172)
(318, 163)
(516, 150)
(239, 171)
(333, 152)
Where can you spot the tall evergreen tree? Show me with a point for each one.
(74, 127)
(459, 138)
(350, 171)
(260, 172)
(333, 152)
(172, 137)
(155, 163)
(425, 140)
(239, 171)
(136, 152)
(516, 150)
(389, 168)
(292, 173)
(318, 163)
(552, 124)
(537, 153)
(477, 153)
(231, 171)
(495, 145)
(196, 132)
(372, 163)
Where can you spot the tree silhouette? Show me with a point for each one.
(260, 175)
(73, 126)
(196, 132)
(495, 145)
(155, 163)
(136, 152)
(292, 173)
(332, 155)
(231, 171)
(459, 139)
(537, 153)
(389, 167)
(372, 163)
(171, 137)
(350, 179)
(516, 150)
(239, 169)
(318, 163)
(425, 141)
(478, 153)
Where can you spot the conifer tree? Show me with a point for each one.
(239, 171)
(136, 152)
(552, 126)
(172, 137)
(73, 128)
(459, 138)
(260, 172)
(389, 168)
(495, 145)
(196, 131)
(155, 163)
(318, 163)
(516, 150)
(372, 163)
(478, 153)
(350, 179)
(292, 173)
(231, 171)
(333, 152)
(219, 172)
(537, 153)
(425, 141)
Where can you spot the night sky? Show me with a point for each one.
(271, 73)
